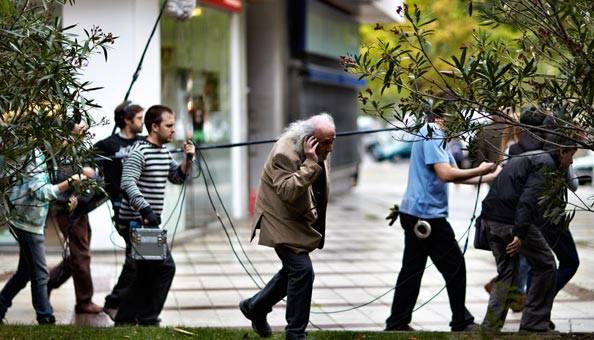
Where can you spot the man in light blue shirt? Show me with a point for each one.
(426, 195)
(29, 201)
(432, 166)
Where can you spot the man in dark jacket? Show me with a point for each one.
(511, 218)
(128, 118)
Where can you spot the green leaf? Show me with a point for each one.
(388, 76)
(427, 22)
(6, 8)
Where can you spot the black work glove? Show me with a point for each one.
(393, 216)
(149, 218)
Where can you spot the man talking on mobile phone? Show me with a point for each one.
(291, 215)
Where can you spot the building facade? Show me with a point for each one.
(198, 68)
(234, 71)
(294, 47)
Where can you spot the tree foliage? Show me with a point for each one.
(454, 28)
(550, 65)
(41, 93)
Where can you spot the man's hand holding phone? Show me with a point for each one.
(309, 148)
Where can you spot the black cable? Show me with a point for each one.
(141, 61)
(148, 42)
(229, 218)
(270, 141)
(183, 195)
(248, 143)
(466, 233)
(224, 227)
(234, 231)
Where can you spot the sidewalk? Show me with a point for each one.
(360, 262)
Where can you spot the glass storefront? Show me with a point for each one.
(195, 82)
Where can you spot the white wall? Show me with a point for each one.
(131, 21)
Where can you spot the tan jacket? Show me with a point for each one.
(285, 208)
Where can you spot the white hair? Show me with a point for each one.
(301, 129)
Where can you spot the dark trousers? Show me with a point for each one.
(442, 247)
(32, 267)
(143, 301)
(127, 274)
(295, 281)
(539, 301)
(78, 264)
(562, 243)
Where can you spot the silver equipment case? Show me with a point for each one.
(148, 243)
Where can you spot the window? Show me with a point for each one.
(195, 58)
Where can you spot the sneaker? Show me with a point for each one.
(88, 308)
(260, 325)
(111, 312)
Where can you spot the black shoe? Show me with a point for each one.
(401, 328)
(124, 323)
(471, 327)
(295, 336)
(259, 324)
(156, 322)
(530, 330)
(48, 320)
(551, 325)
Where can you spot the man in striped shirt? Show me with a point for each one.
(144, 176)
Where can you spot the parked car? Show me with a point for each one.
(389, 145)
(369, 123)
(392, 150)
(392, 146)
(584, 167)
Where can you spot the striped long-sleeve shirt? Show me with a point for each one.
(144, 177)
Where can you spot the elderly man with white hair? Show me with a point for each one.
(291, 215)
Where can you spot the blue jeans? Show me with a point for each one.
(32, 267)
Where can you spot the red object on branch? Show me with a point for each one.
(229, 5)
